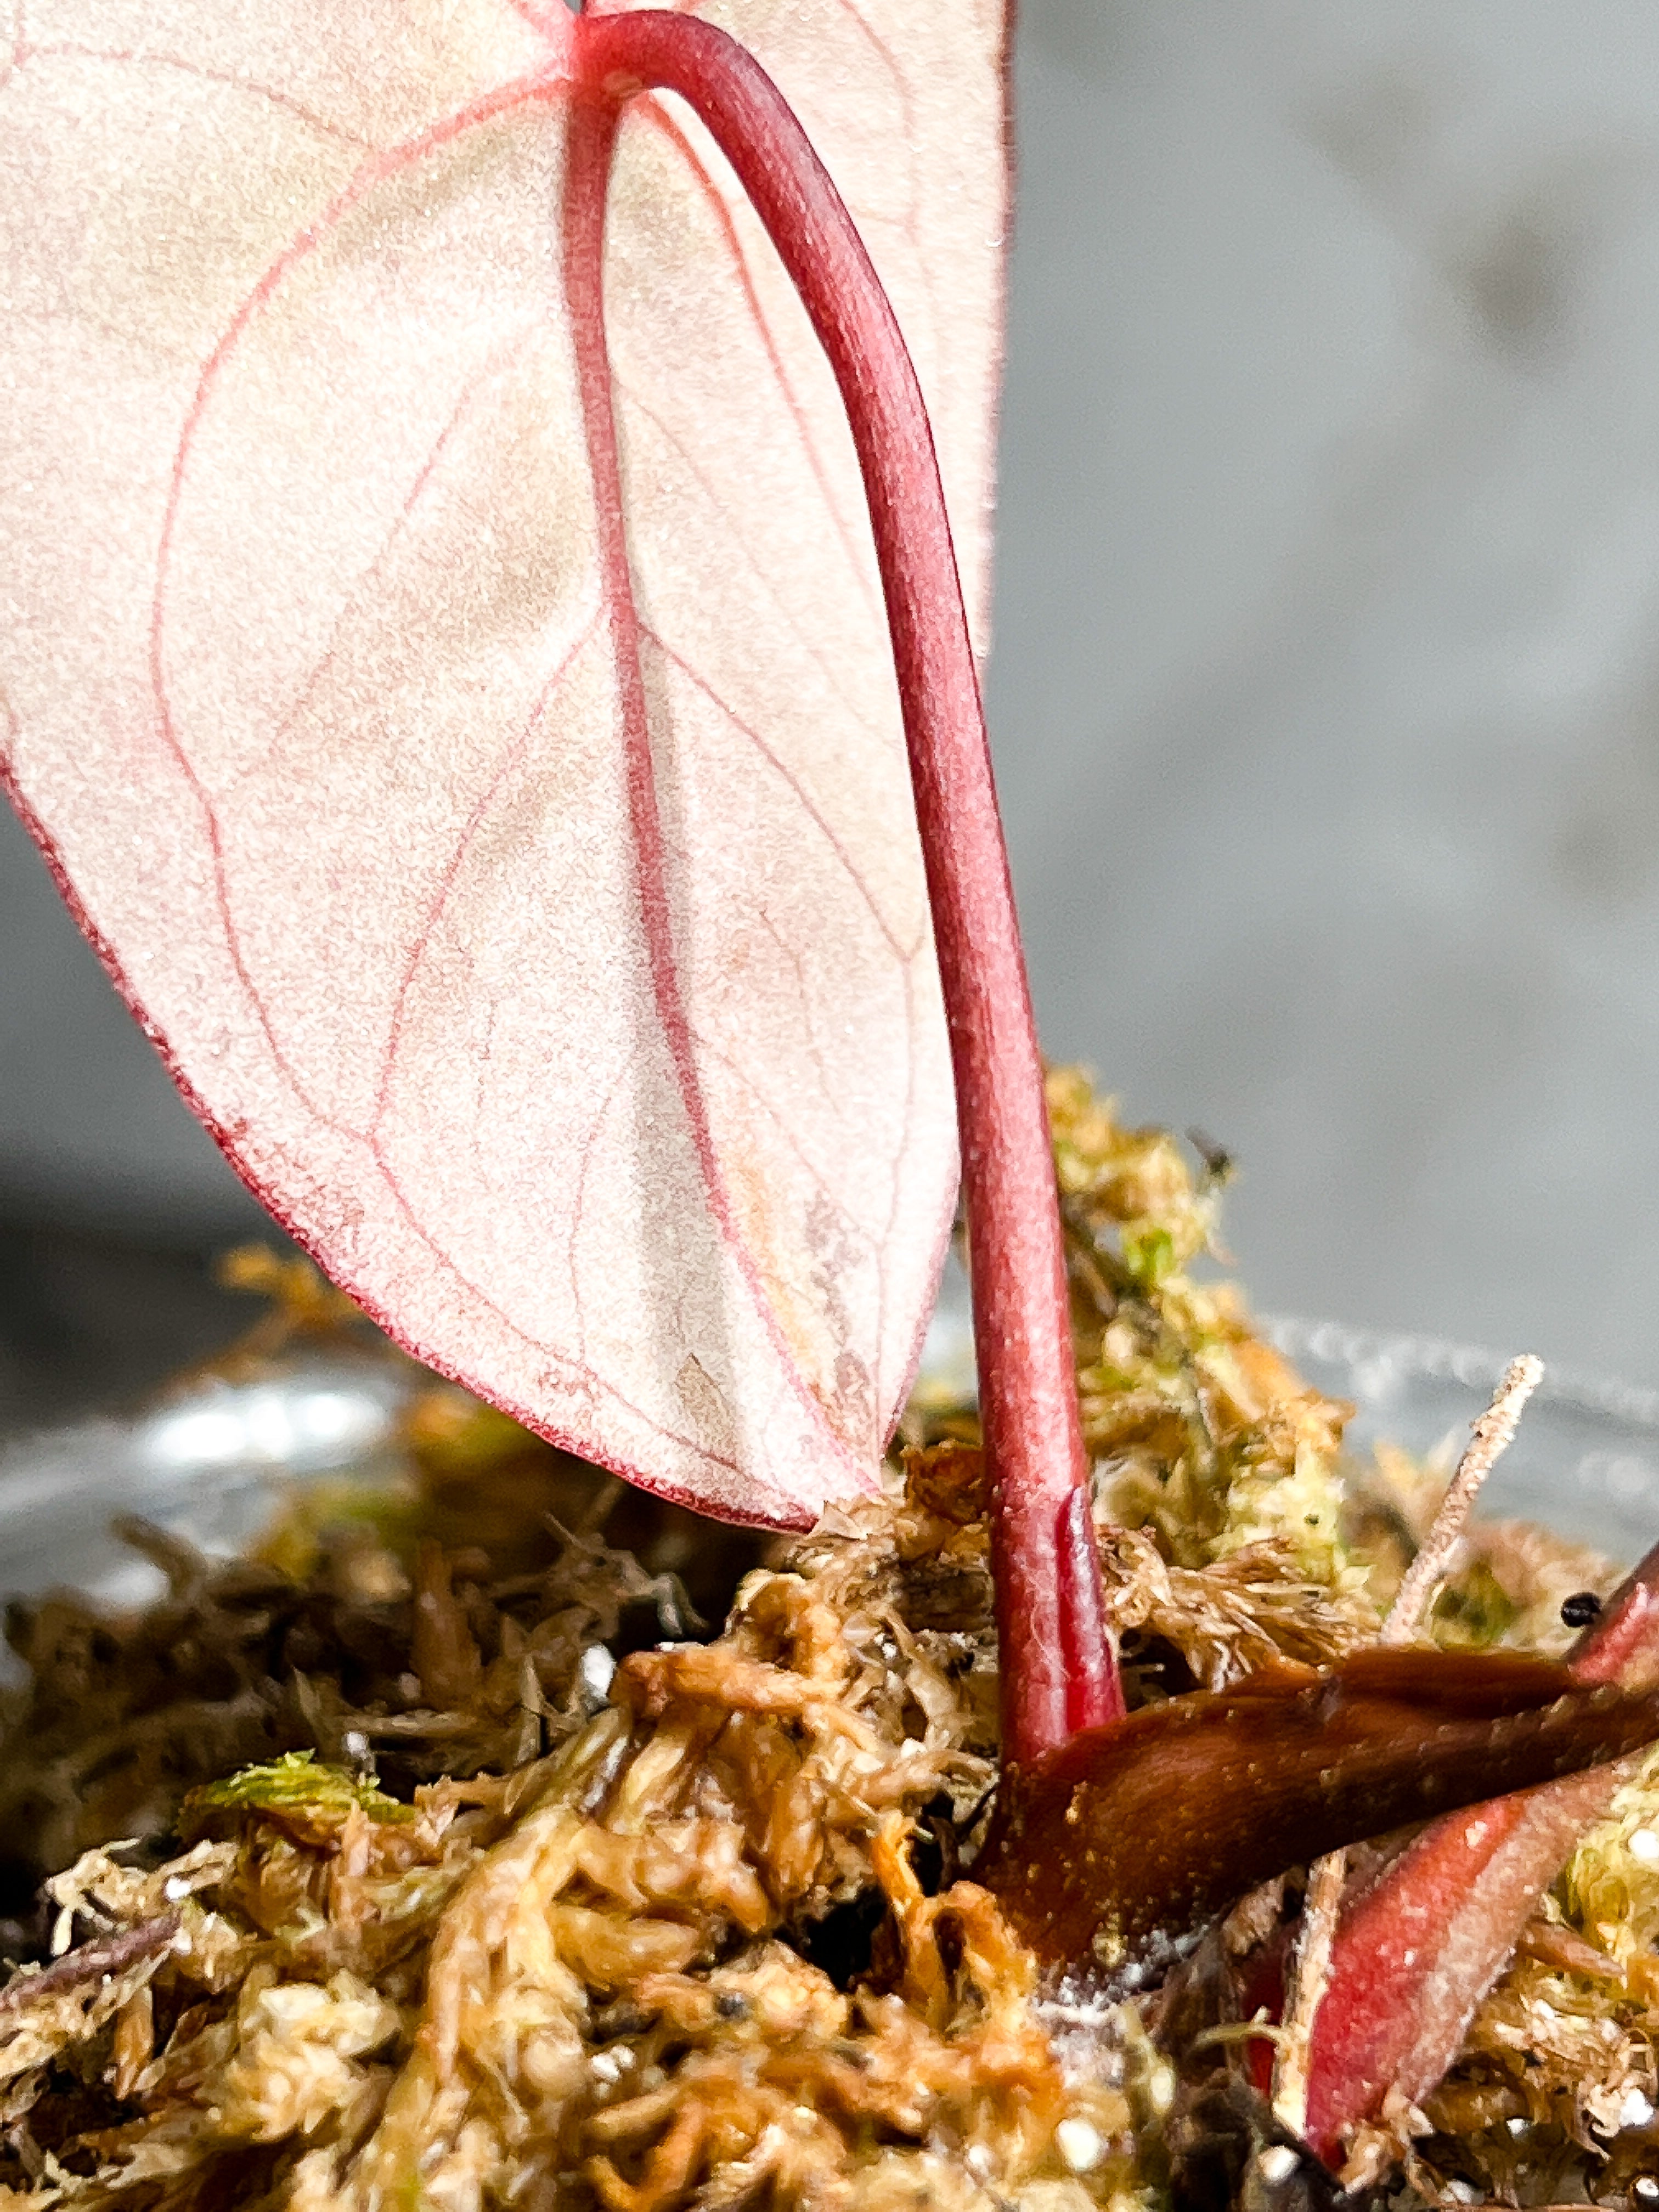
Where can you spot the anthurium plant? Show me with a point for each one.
(494, 507)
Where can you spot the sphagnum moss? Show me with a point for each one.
(477, 1923)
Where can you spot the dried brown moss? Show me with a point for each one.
(603, 1974)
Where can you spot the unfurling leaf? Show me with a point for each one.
(1096, 1874)
(1419, 1948)
(612, 1078)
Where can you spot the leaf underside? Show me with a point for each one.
(616, 1089)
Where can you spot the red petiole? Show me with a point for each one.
(1062, 1695)
(1058, 1673)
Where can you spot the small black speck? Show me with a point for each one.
(729, 2005)
(1580, 1609)
(1219, 1162)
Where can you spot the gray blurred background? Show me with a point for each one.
(1326, 691)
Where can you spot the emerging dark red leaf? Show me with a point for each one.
(1417, 1951)
(1109, 1853)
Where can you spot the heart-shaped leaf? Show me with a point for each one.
(614, 1081)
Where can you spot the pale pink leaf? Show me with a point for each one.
(306, 685)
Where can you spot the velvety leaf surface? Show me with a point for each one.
(309, 685)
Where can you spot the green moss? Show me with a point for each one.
(294, 1785)
(1200, 1429)
(1473, 1613)
(1149, 1255)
